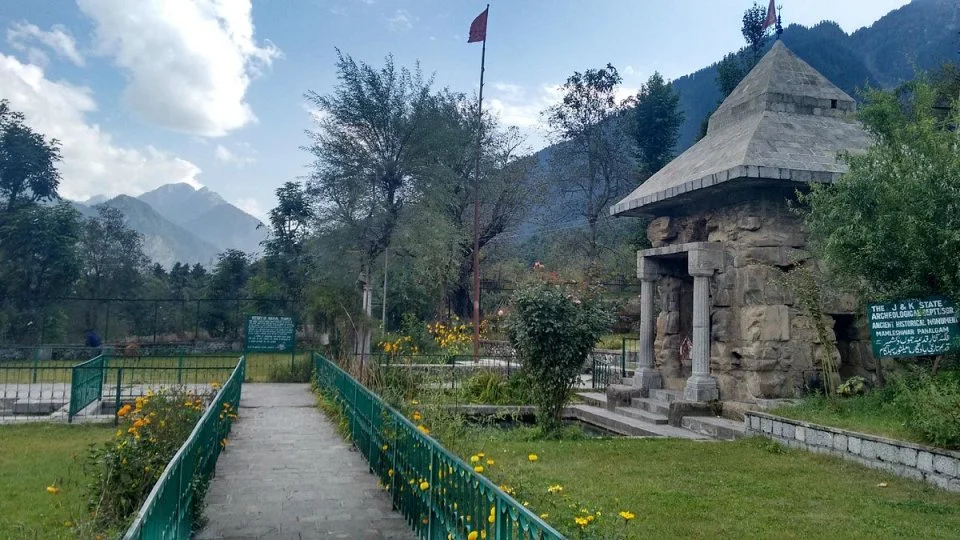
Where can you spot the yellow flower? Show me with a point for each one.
(385, 448)
(590, 518)
(414, 402)
(555, 489)
(390, 473)
(627, 516)
(132, 431)
(533, 457)
(544, 516)
(416, 416)
(68, 524)
(581, 521)
(478, 469)
(492, 519)
(223, 443)
(424, 429)
(489, 462)
(472, 536)
(424, 485)
(123, 410)
(215, 385)
(474, 459)
(53, 490)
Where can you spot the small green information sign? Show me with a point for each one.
(913, 327)
(266, 333)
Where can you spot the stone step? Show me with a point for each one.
(651, 405)
(593, 398)
(625, 425)
(643, 415)
(714, 427)
(666, 395)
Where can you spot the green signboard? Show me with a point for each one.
(266, 333)
(913, 327)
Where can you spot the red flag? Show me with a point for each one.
(478, 28)
(771, 16)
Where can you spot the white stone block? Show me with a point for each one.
(925, 461)
(800, 434)
(908, 456)
(888, 452)
(778, 429)
(945, 465)
(840, 442)
(868, 449)
(854, 445)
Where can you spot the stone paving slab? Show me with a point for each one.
(287, 474)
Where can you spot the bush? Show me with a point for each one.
(553, 327)
(854, 386)
(494, 388)
(125, 469)
(932, 407)
(298, 371)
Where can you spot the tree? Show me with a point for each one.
(891, 225)
(368, 156)
(225, 287)
(38, 263)
(755, 32)
(28, 161)
(593, 168)
(112, 258)
(441, 231)
(657, 121)
(285, 266)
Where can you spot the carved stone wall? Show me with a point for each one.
(762, 344)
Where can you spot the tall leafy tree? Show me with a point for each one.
(38, 263)
(113, 262)
(890, 225)
(754, 32)
(656, 123)
(368, 156)
(28, 161)
(593, 167)
(227, 281)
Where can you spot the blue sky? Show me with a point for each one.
(147, 92)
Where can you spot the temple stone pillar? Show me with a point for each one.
(645, 376)
(701, 264)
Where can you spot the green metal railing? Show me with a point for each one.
(86, 384)
(602, 372)
(166, 514)
(438, 493)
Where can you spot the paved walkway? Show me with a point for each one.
(287, 474)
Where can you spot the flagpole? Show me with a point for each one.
(476, 207)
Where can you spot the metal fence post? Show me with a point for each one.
(116, 399)
(180, 367)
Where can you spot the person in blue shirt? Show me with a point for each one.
(93, 340)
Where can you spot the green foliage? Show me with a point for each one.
(495, 388)
(553, 328)
(28, 161)
(125, 469)
(932, 407)
(299, 370)
(656, 124)
(890, 226)
(754, 32)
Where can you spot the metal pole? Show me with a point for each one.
(383, 315)
(476, 207)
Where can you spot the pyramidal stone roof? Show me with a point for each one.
(785, 122)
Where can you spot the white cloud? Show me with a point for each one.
(22, 35)
(521, 107)
(239, 158)
(189, 62)
(93, 163)
(251, 206)
(400, 21)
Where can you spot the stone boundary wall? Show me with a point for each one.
(932, 465)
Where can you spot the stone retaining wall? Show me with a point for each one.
(932, 465)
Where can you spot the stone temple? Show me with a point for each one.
(726, 324)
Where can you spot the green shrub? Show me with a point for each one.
(298, 371)
(553, 326)
(932, 407)
(495, 388)
(125, 469)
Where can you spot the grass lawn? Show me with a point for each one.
(865, 414)
(685, 489)
(34, 456)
